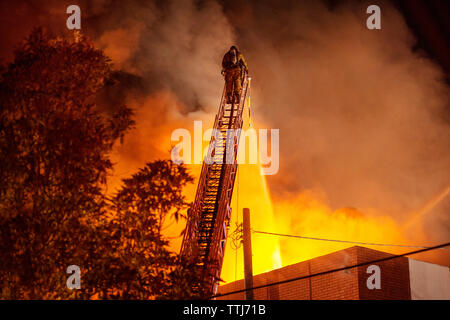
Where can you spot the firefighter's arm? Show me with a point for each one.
(243, 63)
(224, 63)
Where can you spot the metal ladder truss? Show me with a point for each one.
(209, 217)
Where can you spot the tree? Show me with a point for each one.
(54, 148)
(54, 160)
(140, 208)
(54, 154)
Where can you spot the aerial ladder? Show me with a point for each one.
(209, 217)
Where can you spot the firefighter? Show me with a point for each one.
(233, 64)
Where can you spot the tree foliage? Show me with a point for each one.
(54, 155)
(141, 207)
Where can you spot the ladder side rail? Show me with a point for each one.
(227, 188)
(222, 177)
(212, 257)
(189, 238)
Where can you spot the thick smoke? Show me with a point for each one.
(361, 114)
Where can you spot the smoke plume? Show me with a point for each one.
(363, 116)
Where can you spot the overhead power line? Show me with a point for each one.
(333, 270)
(343, 241)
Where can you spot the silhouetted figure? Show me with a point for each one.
(233, 64)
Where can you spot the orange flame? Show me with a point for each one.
(306, 215)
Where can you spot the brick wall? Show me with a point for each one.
(232, 286)
(394, 275)
(296, 290)
(343, 285)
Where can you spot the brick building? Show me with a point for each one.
(399, 279)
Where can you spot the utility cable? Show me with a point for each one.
(335, 240)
